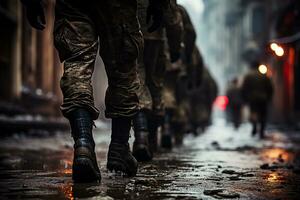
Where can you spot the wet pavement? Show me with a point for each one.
(221, 163)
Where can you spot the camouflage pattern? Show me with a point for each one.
(79, 28)
(181, 75)
(142, 15)
(189, 37)
(153, 63)
(155, 70)
(170, 82)
(174, 29)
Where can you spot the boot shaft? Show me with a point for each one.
(120, 130)
(81, 126)
(85, 167)
(140, 122)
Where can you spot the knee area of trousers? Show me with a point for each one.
(71, 85)
(132, 45)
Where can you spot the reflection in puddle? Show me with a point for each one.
(67, 171)
(277, 153)
(273, 177)
(68, 191)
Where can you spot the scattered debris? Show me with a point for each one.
(146, 181)
(221, 194)
(229, 194)
(229, 171)
(247, 175)
(215, 144)
(245, 148)
(212, 192)
(214, 179)
(235, 178)
(265, 166)
(275, 166)
(149, 167)
(269, 167)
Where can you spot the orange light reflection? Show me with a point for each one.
(275, 154)
(68, 191)
(67, 171)
(273, 177)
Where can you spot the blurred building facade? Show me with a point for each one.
(285, 67)
(30, 72)
(30, 69)
(29, 66)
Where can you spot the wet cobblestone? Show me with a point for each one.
(239, 167)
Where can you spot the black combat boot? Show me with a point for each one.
(119, 158)
(153, 130)
(254, 128)
(262, 129)
(167, 137)
(141, 150)
(179, 133)
(85, 167)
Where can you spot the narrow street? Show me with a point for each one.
(166, 66)
(221, 163)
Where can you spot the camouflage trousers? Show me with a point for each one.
(151, 65)
(152, 69)
(175, 96)
(78, 30)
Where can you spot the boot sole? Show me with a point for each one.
(118, 165)
(142, 153)
(84, 171)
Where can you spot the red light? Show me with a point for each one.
(221, 102)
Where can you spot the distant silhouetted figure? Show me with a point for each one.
(234, 108)
(257, 92)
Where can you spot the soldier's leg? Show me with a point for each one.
(141, 123)
(167, 129)
(254, 128)
(120, 44)
(181, 122)
(146, 126)
(253, 118)
(141, 146)
(262, 128)
(178, 129)
(175, 126)
(262, 120)
(170, 109)
(141, 149)
(77, 43)
(155, 62)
